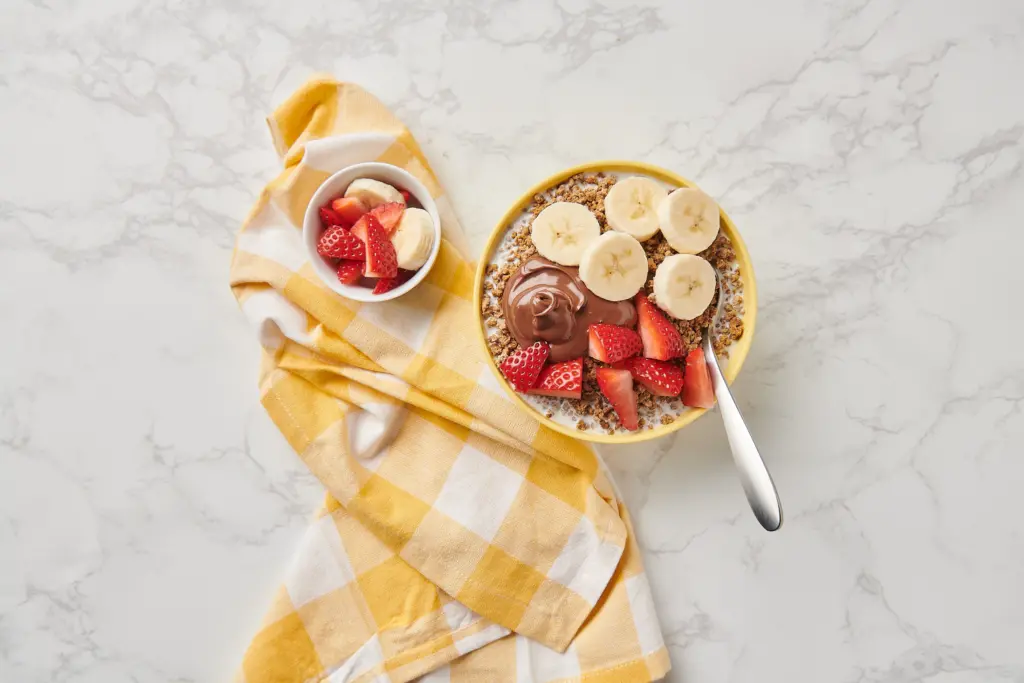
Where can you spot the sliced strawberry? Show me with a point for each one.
(661, 377)
(360, 228)
(389, 215)
(612, 343)
(522, 368)
(329, 217)
(661, 338)
(337, 242)
(349, 209)
(381, 259)
(564, 380)
(405, 195)
(697, 391)
(349, 272)
(617, 386)
(386, 284)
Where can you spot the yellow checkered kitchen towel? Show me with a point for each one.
(460, 540)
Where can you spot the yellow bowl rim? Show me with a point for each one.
(737, 352)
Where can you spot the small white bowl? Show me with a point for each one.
(334, 187)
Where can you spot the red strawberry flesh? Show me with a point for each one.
(661, 339)
(697, 391)
(349, 209)
(389, 215)
(359, 229)
(330, 217)
(522, 369)
(612, 343)
(381, 259)
(337, 242)
(349, 272)
(660, 377)
(617, 386)
(386, 284)
(562, 380)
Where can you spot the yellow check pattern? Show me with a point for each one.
(460, 540)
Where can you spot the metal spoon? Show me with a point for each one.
(757, 482)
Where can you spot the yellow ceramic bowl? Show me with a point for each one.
(737, 352)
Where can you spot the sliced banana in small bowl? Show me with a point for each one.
(373, 192)
(413, 239)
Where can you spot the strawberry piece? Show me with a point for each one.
(360, 228)
(386, 284)
(381, 259)
(349, 209)
(660, 377)
(612, 343)
(337, 242)
(405, 195)
(329, 217)
(522, 369)
(563, 380)
(660, 337)
(697, 391)
(349, 272)
(617, 386)
(389, 215)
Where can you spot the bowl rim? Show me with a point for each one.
(311, 228)
(737, 353)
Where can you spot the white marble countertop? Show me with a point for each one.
(869, 150)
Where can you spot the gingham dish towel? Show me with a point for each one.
(460, 540)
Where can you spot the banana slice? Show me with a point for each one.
(413, 239)
(684, 285)
(631, 206)
(614, 266)
(373, 192)
(689, 220)
(563, 230)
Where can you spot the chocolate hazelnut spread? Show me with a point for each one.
(544, 301)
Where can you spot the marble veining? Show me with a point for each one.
(870, 152)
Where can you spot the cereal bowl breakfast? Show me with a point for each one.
(594, 291)
(371, 232)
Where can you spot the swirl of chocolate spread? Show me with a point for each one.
(544, 301)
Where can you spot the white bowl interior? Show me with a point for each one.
(334, 187)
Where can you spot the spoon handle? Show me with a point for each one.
(757, 482)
